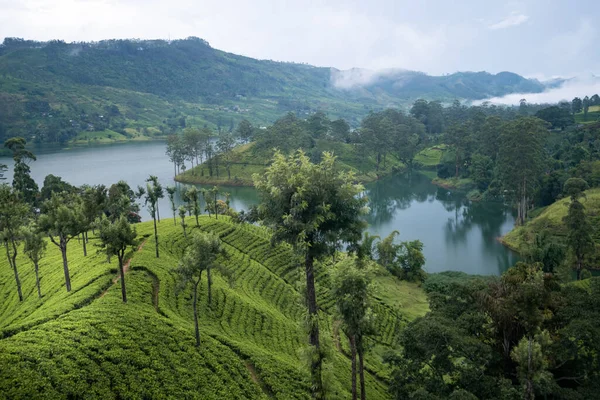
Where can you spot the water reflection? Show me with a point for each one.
(457, 234)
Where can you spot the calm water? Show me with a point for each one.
(457, 235)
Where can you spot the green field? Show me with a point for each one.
(430, 157)
(551, 219)
(593, 116)
(246, 162)
(88, 341)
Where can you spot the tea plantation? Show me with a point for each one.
(89, 344)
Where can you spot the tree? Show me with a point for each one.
(55, 184)
(586, 107)
(152, 193)
(351, 289)
(225, 145)
(157, 192)
(191, 196)
(201, 255)
(245, 131)
(35, 248)
(340, 131)
(579, 236)
(171, 190)
(117, 237)
(576, 105)
(182, 217)
(3, 169)
(121, 201)
(62, 218)
(22, 180)
(521, 161)
(459, 137)
(312, 207)
(595, 100)
(13, 216)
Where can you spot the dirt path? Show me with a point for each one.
(125, 269)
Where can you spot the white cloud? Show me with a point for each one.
(514, 19)
(576, 87)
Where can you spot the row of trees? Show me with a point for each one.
(196, 146)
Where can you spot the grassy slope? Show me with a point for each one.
(593, 116)
(551, 218)
(68, 344)
(245, 163)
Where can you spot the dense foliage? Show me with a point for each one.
(519, 336)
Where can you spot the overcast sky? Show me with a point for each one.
(536, 38)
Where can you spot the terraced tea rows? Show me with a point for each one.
(252, 335)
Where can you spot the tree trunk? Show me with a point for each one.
(174, 168)
(12, 263)
(209, 279)
(86, 236)
(63, 251)
(197, 331)
(84, 245)
(155, 237)
(197, 224)
(353, 350)
(361, 371)
(157, 211)
(578, 268)
(121, 255)
(313, 338)
(37, 278)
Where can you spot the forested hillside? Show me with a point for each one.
(131, 89)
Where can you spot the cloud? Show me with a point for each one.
(513, 19)
(576, 87)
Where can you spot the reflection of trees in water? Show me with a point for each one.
(396, 193)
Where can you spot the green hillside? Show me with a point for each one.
(246, 160)
(592, 116)
(53, 91)
(551, 219)
(89, 341)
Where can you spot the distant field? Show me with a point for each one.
(430, 157)
(593, 115)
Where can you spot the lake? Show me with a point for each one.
(457, 234)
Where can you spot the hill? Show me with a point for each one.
(550, 219)
(53, 91)
(89, 342)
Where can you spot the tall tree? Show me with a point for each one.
(157, 191)
(521, 161)
(351, 289)
(459, 137)
(13, 216)
(192, 197)
(201, 255)
(171, 190)
(182, 217)
(225, 145)
(245, 131)
(576, 105)
(117, 237)
(62, 218)
(22, 180)
(579, 236)
(35, 248)
(312, 207)
(152, 193)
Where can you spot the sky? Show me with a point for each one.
(538, 38)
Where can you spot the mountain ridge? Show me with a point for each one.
(154, 84)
